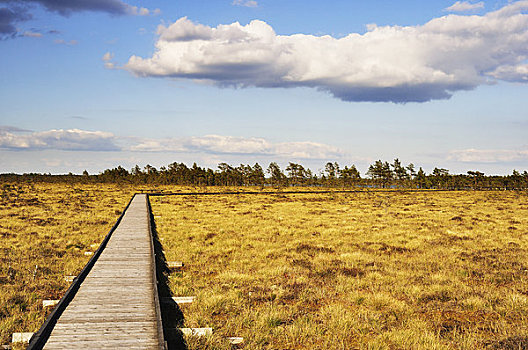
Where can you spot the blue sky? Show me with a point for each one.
(436, 83)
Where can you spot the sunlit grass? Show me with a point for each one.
(436, 270)
(44, 231)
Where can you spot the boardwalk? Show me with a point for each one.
(115, 307)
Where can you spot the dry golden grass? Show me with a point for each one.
(44, 231)
(427, 270)
(437, 270)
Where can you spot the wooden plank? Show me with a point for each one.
(115, 306)
(21, 337)
(178, 300)
(235, 340)
(48, 303)
(174, 265)
(197, 332)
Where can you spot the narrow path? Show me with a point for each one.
(115, 306)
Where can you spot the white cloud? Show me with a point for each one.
(16, 139)
(142, 11)
(136, 11)
(307, 150)
(246, 3)
(488, 156)
(217, 144)
(157, 145)
(184, 30)
(68, 140)
(463, 6)
(515, 73)
(389, 63)
(107, 58)
(229, 144)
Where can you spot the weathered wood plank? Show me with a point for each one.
(48, 303)
(178, 300)
(21, 337)
(174, 265)
(235, 340)
(115, 305)
(197, 332)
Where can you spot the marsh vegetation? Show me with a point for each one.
(438, 270)
(366, 270)
(44, 231)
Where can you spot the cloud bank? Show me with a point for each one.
(15, 139)
(66, 140)
(472, 155)
(218, 144)
(389, 64)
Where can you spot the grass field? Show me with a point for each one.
(45, 229)
(436, 270)
(376, 270)
(44, 232)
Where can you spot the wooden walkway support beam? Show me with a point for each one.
(178, 300)
(174, 265)
(197, 332)
(21, 337)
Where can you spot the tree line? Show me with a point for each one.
(380, 174)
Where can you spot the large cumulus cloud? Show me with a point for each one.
(389, 63)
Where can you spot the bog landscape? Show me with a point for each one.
(264, 174)
(289, 267)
